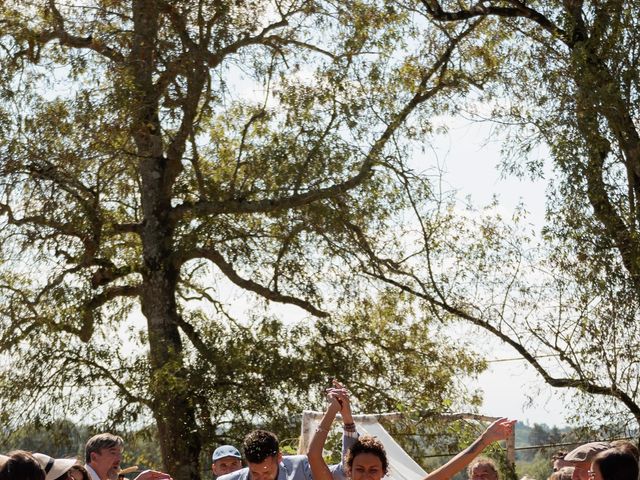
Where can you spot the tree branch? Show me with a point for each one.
(86, 329)
(216, 257)
(579, 383)
(107, 373)
(65, 38)
(520, 9)
(242, 206)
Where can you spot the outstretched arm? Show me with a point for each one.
(498, 430)
(319, 468)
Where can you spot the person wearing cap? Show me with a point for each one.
(55, 468)
(580, 458)
(265, 460)
(225, 459)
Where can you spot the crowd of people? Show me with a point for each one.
(103, 455)
(363, 457)
(597, 461)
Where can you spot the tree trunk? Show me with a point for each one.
(173, 411)
(169, 384)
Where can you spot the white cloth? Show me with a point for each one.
(401, 465)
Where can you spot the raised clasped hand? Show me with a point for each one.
(340, 393)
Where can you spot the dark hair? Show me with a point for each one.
(82, 470)
(367, 444)
(22, 465)
(99, 442)
(482, 461)
(626, 446)
(614, 464)
(259, 445)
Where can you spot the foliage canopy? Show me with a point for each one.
(155, 153)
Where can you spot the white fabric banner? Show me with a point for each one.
(401, 465)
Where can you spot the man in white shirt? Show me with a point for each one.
(103, 454)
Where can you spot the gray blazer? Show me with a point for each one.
(296, 467)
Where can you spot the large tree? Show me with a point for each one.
(156, 153)
(566, 78)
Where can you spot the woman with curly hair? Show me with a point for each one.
(365, 459)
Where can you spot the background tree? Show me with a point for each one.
(539, 435)
(156, 153)
(566, 77)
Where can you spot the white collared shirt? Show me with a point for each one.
(92, 472)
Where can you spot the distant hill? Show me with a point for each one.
(541, 434)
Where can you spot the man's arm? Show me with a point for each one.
(319, 469)
(498, 430)
(349, 433)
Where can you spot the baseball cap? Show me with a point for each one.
(586, 451)
(225, 451)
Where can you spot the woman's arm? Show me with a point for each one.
(498, 430)
(319, 468)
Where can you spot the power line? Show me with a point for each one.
(535, 447)
(518, 359)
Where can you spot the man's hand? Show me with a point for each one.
(342, 396)
(334, 402)
(501, 429)
(153, 475)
